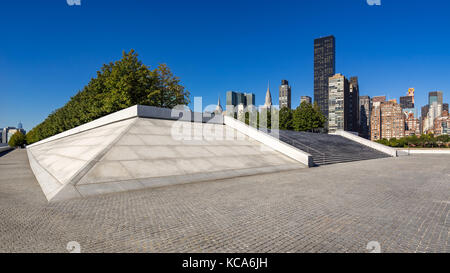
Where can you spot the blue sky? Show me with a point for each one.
(50, 50)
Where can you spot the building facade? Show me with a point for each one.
(378, 99)
(338, 105)
(237, 98)
(324, 68)
(365, 110)
(308, 99)
(435, 96)
(285, 94)
(412, 125)
(407, 102)
(353, 107)
(8, 132)
(442, 124)
(387, 121)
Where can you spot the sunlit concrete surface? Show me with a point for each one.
(140, 153)
(402, 203)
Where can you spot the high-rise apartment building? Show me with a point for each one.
(412, 125)
(285, 94)
(365, 110)
(378, 99)
(308, 99)
(387, 121)
(324, 68)
(353, 107)
(338, 105)
(442, 124)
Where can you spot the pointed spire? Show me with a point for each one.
(219, 109)
(268, 102)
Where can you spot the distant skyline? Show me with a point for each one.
(51, 50)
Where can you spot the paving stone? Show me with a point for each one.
(403, 203)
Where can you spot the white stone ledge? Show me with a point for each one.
(137, 111)
(425, 151)
(377, 146)
(270, 141)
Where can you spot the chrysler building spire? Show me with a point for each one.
(268, 102)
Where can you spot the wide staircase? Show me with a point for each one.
(329, 149)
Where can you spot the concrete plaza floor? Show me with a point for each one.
(402, 203)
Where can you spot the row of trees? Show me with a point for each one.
(118, 85)
(424, 141)
(305, 118)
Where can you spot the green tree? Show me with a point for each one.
(286, 119)
(17, 140)
(308, 118)
(118, 85)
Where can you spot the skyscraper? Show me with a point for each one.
(250, 98)
(364, 116)
(324, 68)
(236, 98)
(407, 102)
(339, 101)
(305, 98)
(424, 111)
(268, 102)
(285, 94)
(435, 96)
(231, 98)
(353, 107)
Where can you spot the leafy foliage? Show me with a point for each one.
(286, 119)
(118, 85)
(17, 140)
(424, 141)
(308, 117)
(305, 118)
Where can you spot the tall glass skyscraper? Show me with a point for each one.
(324, 68)
(435, 96)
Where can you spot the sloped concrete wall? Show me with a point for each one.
(139, 153)
(377, 146)
(152, 154)
(270, 141)
(55, 163)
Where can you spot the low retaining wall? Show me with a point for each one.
(4, 148)
(270, 141)
(377, 146)
(425, 151)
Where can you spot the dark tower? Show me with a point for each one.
(324, 68)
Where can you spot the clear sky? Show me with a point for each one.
(50, 50)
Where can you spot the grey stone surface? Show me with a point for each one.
(335, 208)
(147, 149)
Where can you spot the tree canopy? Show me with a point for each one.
(305, 118)
(118, 85)
(17, 140)
(424, 141)
(308, 117)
